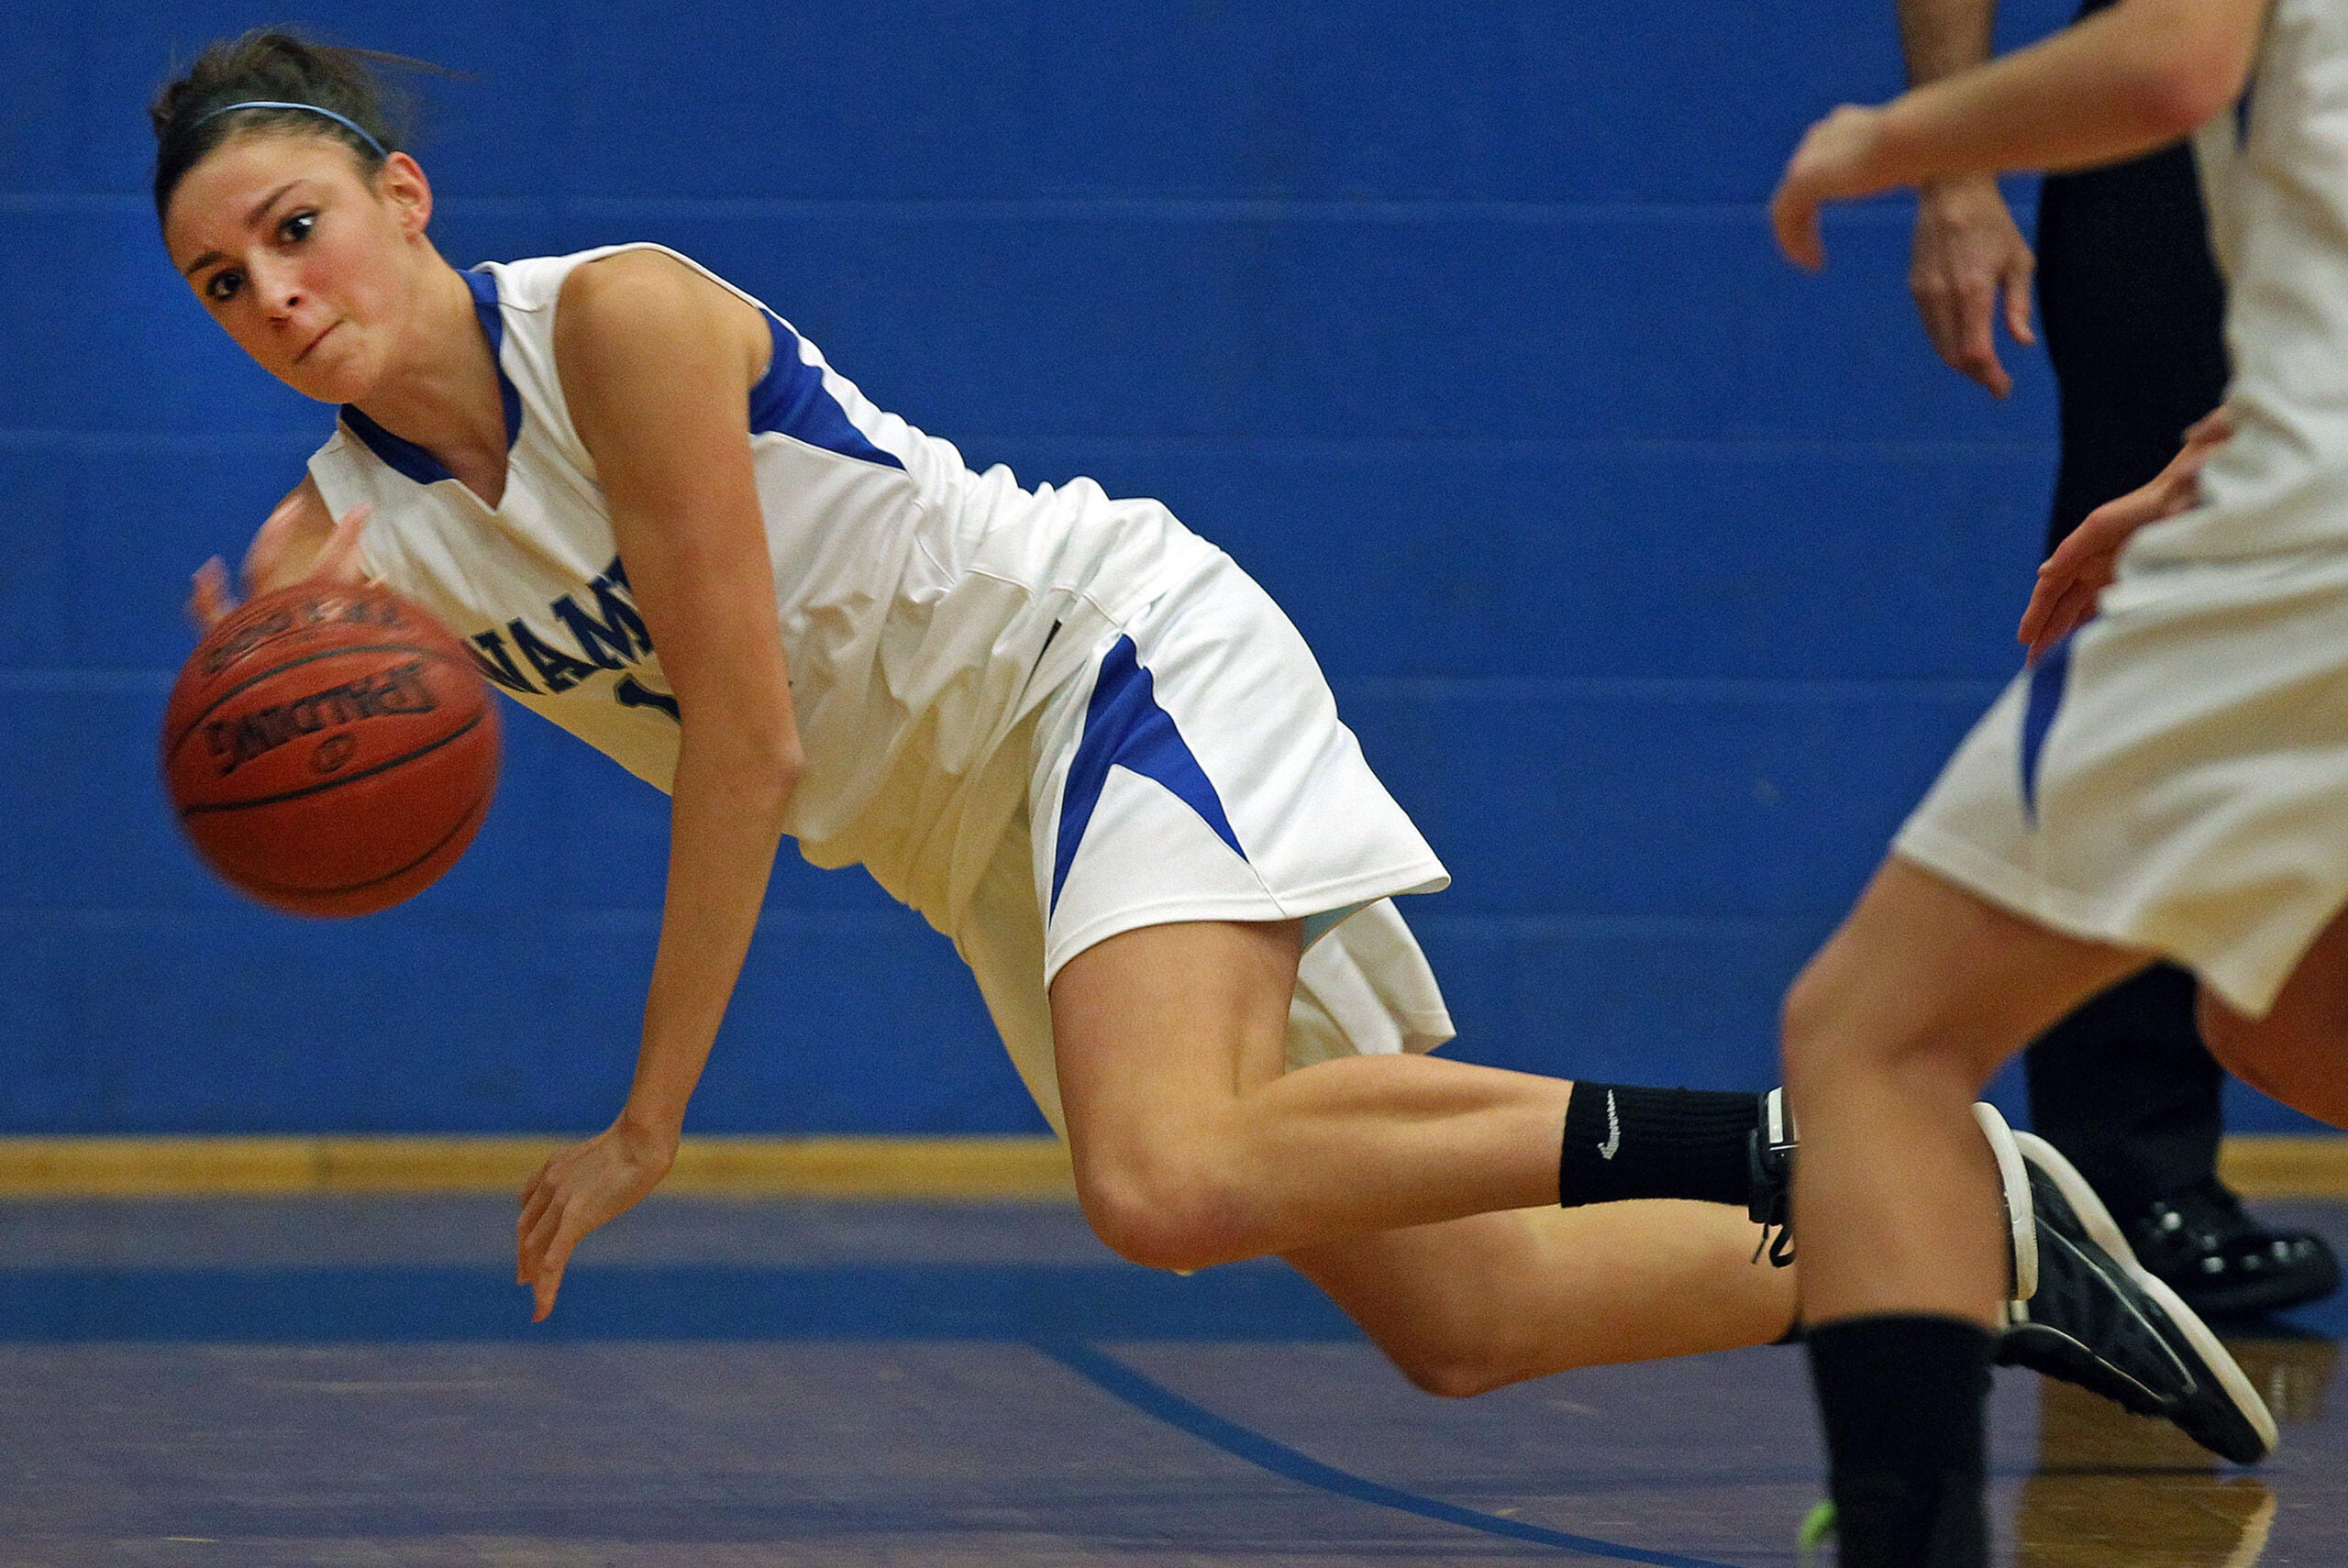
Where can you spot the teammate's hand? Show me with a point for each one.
(578, 1189)
(282, 555)
(2084, 564)
(1967, 251)
(1835, 162)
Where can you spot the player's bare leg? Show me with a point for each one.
(1193, 1146)
(1890, 1033)
(1471, 1305)
(2299, 1052)
(1419, 1193)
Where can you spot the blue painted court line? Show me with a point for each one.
(928, 1301)
(1113, 1376)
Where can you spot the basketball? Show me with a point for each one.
(330, 751)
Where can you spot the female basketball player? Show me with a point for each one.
(1071, 734)
(2170, 778)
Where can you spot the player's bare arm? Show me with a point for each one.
(657, 364)
(1969, 265)
(299, 539)
(2119, 83)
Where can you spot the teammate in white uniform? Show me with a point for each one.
(2169, 778)
(1071, 734)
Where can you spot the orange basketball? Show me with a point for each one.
(330, 751)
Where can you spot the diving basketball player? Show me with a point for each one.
(1067, 730)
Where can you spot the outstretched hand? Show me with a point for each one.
(1835, 162)
(283, 552)
(2084, 564)
(582, 1188)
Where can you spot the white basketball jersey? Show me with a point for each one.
(926, 610)
(2275, 178)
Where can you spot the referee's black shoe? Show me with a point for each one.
(2101, 1320)
(2225, 1263)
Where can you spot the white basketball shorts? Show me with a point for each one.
(2175, 777)
(1196, 769)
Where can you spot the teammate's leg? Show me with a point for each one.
(2299, 1052)
(1890, 1033)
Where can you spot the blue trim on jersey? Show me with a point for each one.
(1124, 727)
(406, 457)
(2048, 677)
(790, 400)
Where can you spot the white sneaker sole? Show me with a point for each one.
(2013, 1186)
(2106, 1234)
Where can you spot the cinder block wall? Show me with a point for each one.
(1656, 577)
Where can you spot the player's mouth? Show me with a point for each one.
(314, 342)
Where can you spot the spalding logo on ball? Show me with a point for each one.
(330, 751)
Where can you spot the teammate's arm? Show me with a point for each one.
(657, 363)
(2119, 83)
(2085, 563)
(1967, 251)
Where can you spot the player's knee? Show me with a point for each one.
(1160, 1210)
(1805, 1022)
(1451, 1372)
(1833, 1024)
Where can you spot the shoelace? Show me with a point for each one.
(1776, 1231)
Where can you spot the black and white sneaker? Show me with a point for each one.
(2101, 1320)
(1770, 1155)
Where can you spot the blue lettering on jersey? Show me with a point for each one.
(633, 693)
(612, 636)
(494, 660)
(557, 669)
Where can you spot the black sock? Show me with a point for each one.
(1622, 1142)
(1901, 1400)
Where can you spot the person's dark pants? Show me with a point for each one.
(2134, 316)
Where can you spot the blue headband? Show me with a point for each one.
(310, 108)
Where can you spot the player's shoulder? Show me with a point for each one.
(628, 302)
(646, 284)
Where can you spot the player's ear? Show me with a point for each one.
(401, 182)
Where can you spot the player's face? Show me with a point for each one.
(307, 262)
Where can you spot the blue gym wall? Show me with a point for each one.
(1656, 578)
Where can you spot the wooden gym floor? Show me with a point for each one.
(331, 1381)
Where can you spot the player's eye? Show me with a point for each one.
(222, 286)
(297, 227)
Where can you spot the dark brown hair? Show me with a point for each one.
(273, 63)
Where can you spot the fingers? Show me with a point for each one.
(2049, 617)
(2019, 272)
(268, 544)
(546, 1254)
(549, 1281)
(535, 1199)
(208, 601)
(1793, 218)
(338, 562)
(1979, 357)
(2216, 425)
